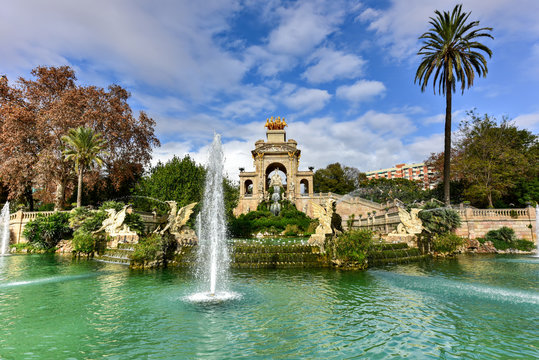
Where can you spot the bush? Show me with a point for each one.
(135, 223)
(46, 231)
(446, 243)
(291, 230)
(502, 235)
(438, 223)
(77, 216)
(150, 247)
(87, 243)
(264, 221)
(147, 248)
(352, 245)
(116, 205)
(439, 220)
(525, 245)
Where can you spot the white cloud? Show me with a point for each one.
(331, 65)
(172, 45)
(373, 140)
(399, 27)
(528, 121)
(303, 26)
(361, 91)
(306, 100)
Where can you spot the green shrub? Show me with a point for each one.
(525, 245)
(46, 231)
(95, 221)
(438, 223)
(502, 235)
(112, 205)
(77, 216)
(446, 243)
(86, 243)
(439, 220)
(352, 245)
(262, 221)
(291, 230)
(135, 223)
(149, 247)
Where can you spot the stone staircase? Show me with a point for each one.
(260, 256)
(385, 254)
(276, 256)
(120, 255)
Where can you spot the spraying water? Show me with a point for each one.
(537, 230)
(213, 258)
(4, 230)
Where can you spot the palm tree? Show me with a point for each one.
(85, 148)
(450, 51)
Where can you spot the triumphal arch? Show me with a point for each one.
(275, 156)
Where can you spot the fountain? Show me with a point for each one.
(536, 230)
(213, 258)
(275, 207)
(4, 230)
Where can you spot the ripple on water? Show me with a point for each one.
(413, 311)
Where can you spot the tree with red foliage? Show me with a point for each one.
(36, 113)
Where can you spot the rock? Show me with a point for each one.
(64, 246)
(486, 248)
(186, 236)
(473, 244)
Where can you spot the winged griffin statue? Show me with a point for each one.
(114, 224)
(177, 218)
(324, 215)
(410, 223)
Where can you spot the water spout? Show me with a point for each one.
(537, 230)
(213, 258)
(4, 230)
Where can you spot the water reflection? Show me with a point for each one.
(479, 307)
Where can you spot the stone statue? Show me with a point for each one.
(177, 219)
(114, 224)
(115, 227)
(276, 180)
(410, 223)
(324, 215)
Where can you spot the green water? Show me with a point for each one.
(472, 307)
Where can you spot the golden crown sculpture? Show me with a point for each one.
(275, 124)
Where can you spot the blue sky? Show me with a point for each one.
(340, 72)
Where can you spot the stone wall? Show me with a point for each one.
(18, 220)
(475, 222)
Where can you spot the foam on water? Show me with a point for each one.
(208, 297)
(448, 287)
(48, 280)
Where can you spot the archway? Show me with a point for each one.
(275, 168)
(304, 187)
(248, 186)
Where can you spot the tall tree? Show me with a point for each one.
(36, 113)
(85, 148)
(452, 52)
(493, 158)
(337, 179)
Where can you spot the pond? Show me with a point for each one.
(53, 307)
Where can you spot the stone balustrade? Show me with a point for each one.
(19, 219)
(475, 222)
